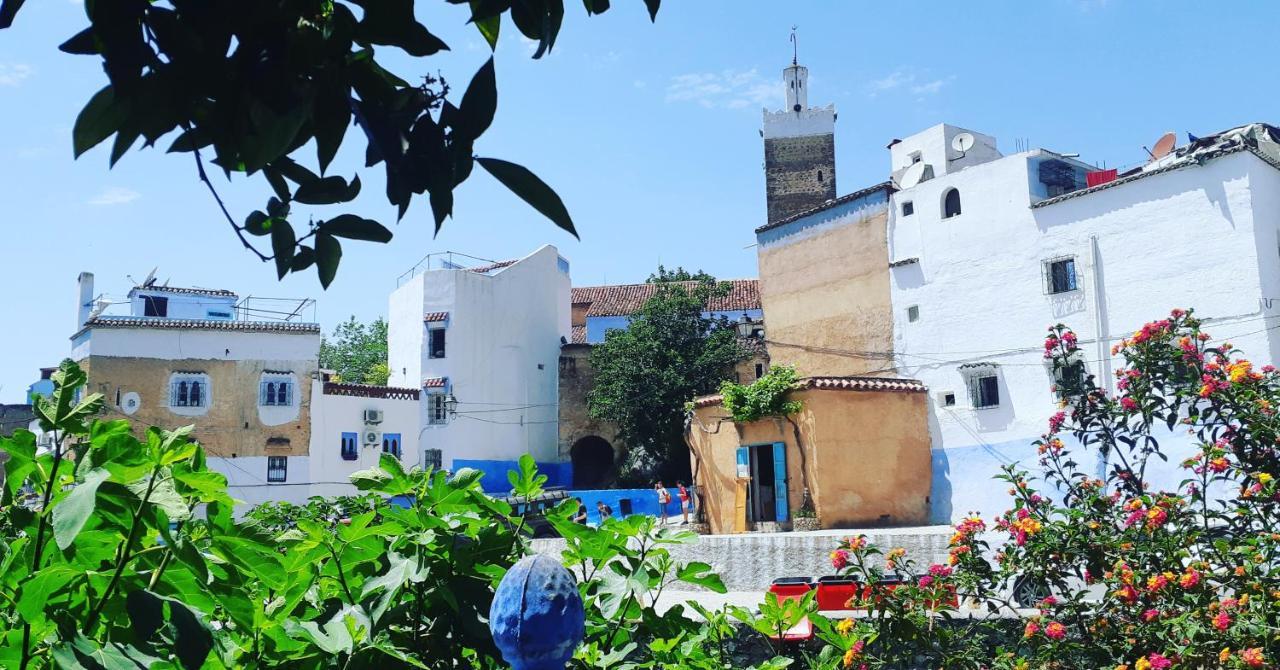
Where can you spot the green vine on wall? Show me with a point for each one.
(766, 396)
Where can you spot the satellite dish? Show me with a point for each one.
(130, 402)
(963, 142)
(151, 277)
(1163, 146)
(913, 175)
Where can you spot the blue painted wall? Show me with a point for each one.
(495, 479)
(643, 501)
(963, 477)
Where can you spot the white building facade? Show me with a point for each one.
(483, 345)
(353, 425)
(987, 251)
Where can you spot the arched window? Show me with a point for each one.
(182, 394)
(195, 395)
(271, 393)
(819, 176)
(951, 204)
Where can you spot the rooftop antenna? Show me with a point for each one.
(795, 47)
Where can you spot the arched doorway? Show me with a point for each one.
(592, 462)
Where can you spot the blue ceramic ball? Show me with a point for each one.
(537, 616)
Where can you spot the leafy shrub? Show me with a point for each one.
(766, 396)
(1136, 577)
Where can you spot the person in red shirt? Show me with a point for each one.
(684, 500)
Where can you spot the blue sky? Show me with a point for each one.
(648, 131)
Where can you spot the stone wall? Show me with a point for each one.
(576, 424)
(800, 173)
(233, 424)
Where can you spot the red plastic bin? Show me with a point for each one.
(834, 592)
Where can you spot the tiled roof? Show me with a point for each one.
(887, 186)
(1258, 139)
(367, 391)
(187, 290)
(436, 316)
(483, 269)
(435, 382)
(878, 384)
(199, 324)
(627, 299)
(579, 335)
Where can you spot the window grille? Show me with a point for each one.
(432, 458)
(437, 413)
(1060, 275)
(277, 468)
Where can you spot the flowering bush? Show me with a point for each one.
(1139, 576)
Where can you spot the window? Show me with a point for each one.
(1060, 275)
(949, 399)
(349, 449)
(435, 343)
(913, 313)
(433, 459)
(189, 390)
(391, 444)
(277, 468)
(915, 157)
(984, 390)
(908, 208)
(153, 305)
(437, 411)
(218, 314)
(759, 370)
(951, 204)
(276, 393)
(819, 176)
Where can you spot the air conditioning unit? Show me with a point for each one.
(371, 438)
(373, 416)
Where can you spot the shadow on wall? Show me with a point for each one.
(908, 276)
(940, 490)
(999, 417)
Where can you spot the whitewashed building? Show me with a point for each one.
(483, 345)
(352, 425)
(988, 250)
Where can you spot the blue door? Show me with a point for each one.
(779, 478)
(744, 461)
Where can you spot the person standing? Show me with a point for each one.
(606, 512)
(684, 501)
(580, 516)
(664, 498)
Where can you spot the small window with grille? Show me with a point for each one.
(1060, 275)
(277, 469)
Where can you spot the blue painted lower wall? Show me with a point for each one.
(640, 501)
(964, 477)
(495, 479)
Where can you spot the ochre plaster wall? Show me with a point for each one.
(830, 291)
(866, 456)
(231, 424)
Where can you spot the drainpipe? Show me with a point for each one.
(1101, 329)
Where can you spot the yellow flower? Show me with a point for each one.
(1142, 664)
(1224, 655)
(845, 626)
(1264, 478)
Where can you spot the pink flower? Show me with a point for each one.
(1159, 661)
(1031, 629)
(1056, 421)
(1150, 615)
(938, 570)
(1222, 621)
(926, 581)
(1047, 602)
(839, 559)
(1055, 631)
(1129, 404)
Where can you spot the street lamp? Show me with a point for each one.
(745, 326)
(451, 405)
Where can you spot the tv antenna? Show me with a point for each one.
(795, 47)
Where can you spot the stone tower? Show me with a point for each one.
(799, 150)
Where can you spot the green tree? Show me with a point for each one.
(357, 352)
(254, 83)
(663, 276)
(670, 353)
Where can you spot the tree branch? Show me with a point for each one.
(204, 177)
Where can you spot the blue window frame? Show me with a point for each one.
(275, 393)
(349, 449)
(391, 444)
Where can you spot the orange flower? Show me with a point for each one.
(1253, 657)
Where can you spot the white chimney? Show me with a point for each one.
(85, 280)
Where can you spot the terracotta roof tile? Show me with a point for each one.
(627, 299)
(435, 382)
(186, 290)
(436, 316)
(579, 335)
(367, 391)
(878, 384)
(484, 269)
(200, 324)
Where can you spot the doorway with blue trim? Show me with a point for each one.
(766, 465)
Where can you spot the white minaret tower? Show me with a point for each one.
(799, 148)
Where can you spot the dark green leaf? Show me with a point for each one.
(98, 120)
(531, 189)
(71, 513)
(391, 22)
(596, 6)
(327, 191)
(330, 116)
(653, 8)
(282, 244)
(257, 223)
(479, 103)
(276, 179)
(295, 172)
(189, 140)
(146, 613)
(328, 254)
(36, 592)
(82, 43)
(354, 227)
(8, 10)
(303, 259)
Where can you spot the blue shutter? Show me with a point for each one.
(780, 479)
(262, 393)
(286, 390)
(1071, 272)
(744, 462)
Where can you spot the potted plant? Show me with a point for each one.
(806, 517)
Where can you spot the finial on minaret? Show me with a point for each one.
(795, 47)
